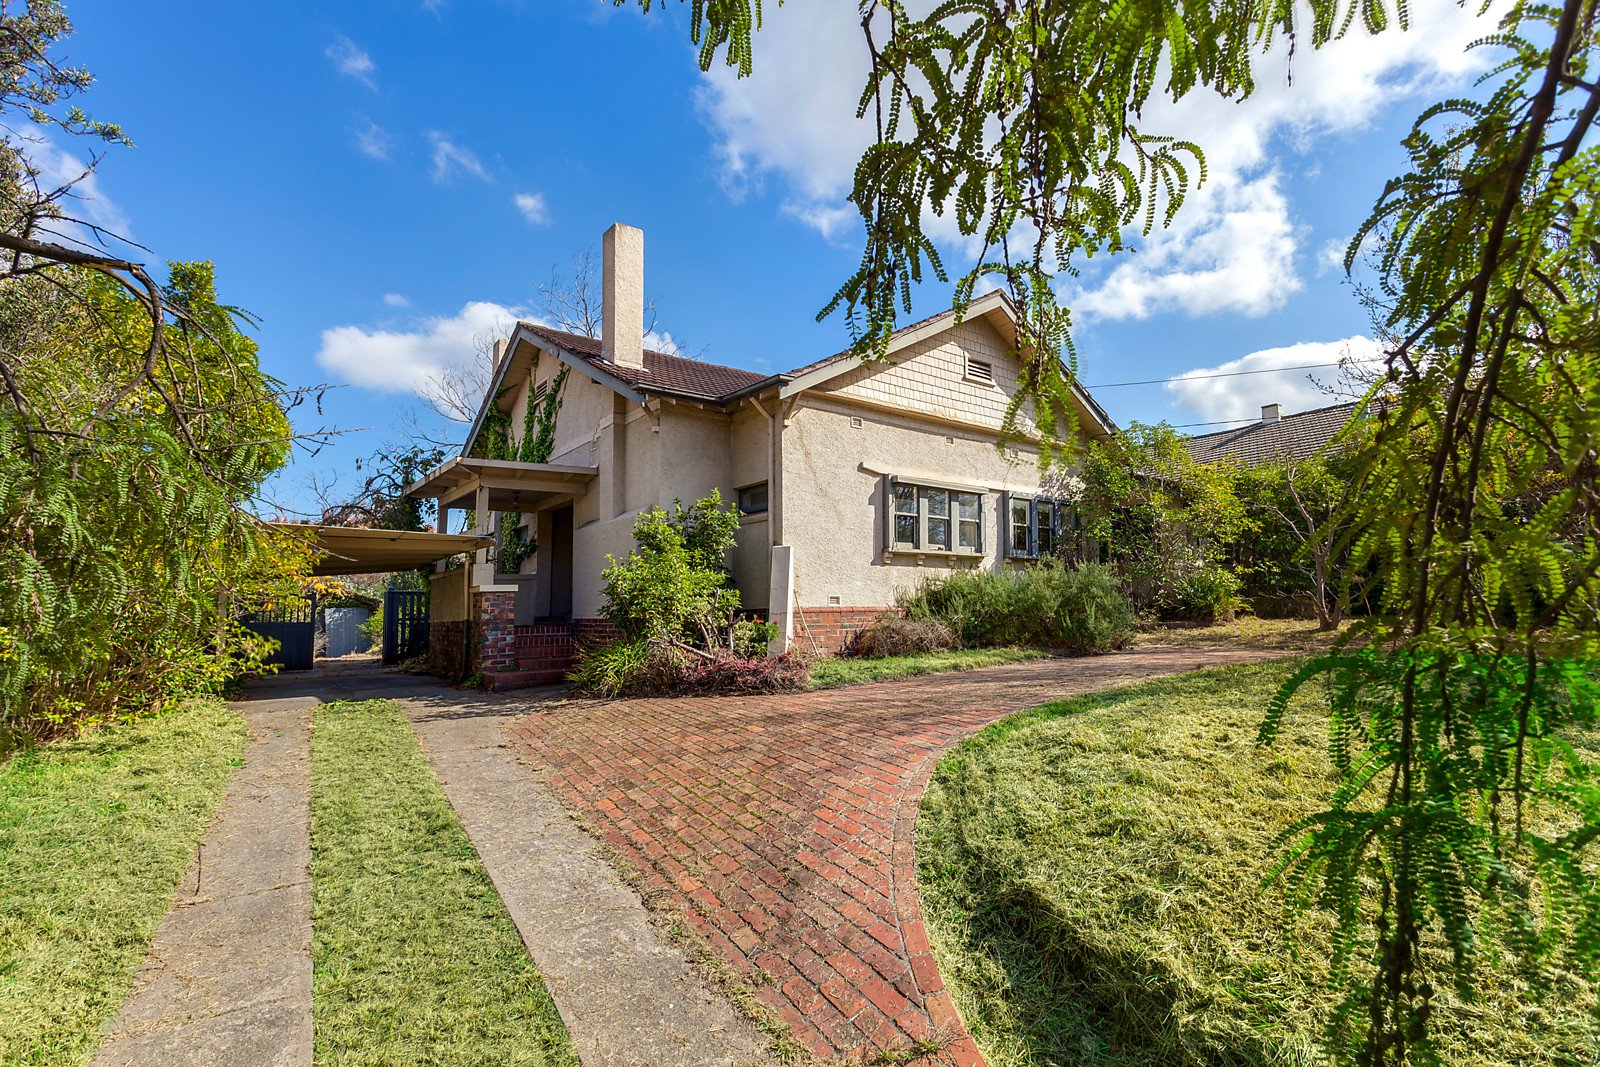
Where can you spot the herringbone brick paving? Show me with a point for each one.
(782, 826)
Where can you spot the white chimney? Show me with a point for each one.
(1271, 412)
(500, 347)
(622, 296)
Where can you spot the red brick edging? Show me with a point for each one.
(783, 827)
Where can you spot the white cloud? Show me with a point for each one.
(449, 158)
(396, 300)
(85, 205)
(1233, 253)
(1234, 245)
(1240, 397)
(374, 141)
(1237, 243)
(351, 60)
(406, 361)
(533, 208)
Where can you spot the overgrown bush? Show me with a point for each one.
(674, 601)
(645, 667)
(1078, 609)
(893, 635)
(676, 584)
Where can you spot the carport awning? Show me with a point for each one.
(353, 550)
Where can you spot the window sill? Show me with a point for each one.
(924, 553)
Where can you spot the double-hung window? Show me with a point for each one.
(928, 518)
(1039, 527)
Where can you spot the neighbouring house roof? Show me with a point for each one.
(661, 372)
(1297, 436)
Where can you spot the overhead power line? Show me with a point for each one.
(1229, 374)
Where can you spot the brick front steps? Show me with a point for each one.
(544, 655)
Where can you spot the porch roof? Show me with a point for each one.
(354, 550)
(511, 485)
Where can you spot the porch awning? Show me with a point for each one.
(511, 485)
(352, 550)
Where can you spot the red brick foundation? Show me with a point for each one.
(828, 631)
(590, 633)
(447, 650)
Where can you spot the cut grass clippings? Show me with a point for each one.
(1091, 874)
(830, 671)
(95, 835)
(415, 959)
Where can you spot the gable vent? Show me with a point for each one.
(980, 370)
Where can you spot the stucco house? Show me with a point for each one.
(856, 479)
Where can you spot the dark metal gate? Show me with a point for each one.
(293, 624)
(405, 624)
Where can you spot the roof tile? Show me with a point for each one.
(1298, 436)
(661, 372)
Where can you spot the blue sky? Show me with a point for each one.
(378, 182)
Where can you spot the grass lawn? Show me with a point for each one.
(1091, 875)
(416, 960)
(829, 671)
(1247, 631)
(95, 835)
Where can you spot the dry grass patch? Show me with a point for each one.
(1091, 875)
(1247, 631)
(95, 835)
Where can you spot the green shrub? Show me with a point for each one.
(1208, 596)
(750, 637)
(612, 670)
(896, 636)
(675, 585)
(1077, 609)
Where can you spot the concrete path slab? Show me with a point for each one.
(228, 978)
(629, 998)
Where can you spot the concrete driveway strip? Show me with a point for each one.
(628, 997)
(227, 982)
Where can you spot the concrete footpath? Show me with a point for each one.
(629, 997)
(228, 977)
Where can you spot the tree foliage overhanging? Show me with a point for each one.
(1475, 506)
(135, 426)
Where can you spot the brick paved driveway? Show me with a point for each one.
(782, 826)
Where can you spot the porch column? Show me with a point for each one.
(780, 597)
(481, 523)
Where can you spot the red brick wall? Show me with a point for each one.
(447, 650)
(589, 633)
(832, 628)
(494, 624)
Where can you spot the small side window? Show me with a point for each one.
(753, 499)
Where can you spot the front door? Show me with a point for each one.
(561, 563)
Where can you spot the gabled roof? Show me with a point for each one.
(694, 379)
(1298, 436)
(995, 305)
(661, 372)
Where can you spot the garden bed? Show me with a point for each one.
(1091, 877)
